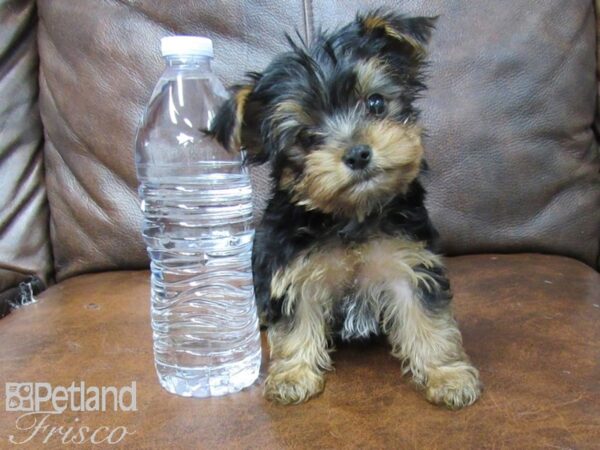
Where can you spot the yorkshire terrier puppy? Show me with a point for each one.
(346, 247)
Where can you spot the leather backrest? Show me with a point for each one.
(24, 235)
(100, 61)
(514, 163)
(597, 118)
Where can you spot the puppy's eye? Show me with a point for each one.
(376, 104)
(306, 139)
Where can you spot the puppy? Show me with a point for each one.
(346, 247)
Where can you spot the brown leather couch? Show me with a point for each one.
(514, 189)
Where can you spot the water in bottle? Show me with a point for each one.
(196, 201)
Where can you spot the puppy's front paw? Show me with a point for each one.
(294, 385)
(456, 385)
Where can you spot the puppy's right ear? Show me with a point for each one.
(409, 34)
(237, 123)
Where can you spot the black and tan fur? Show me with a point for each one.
(345, 250)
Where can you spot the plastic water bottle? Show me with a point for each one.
(196, 201)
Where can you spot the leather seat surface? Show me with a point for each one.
(531, 324)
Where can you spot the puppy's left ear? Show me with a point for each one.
(237, 122)
(409, 33)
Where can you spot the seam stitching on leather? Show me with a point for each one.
(596, 123)
(308, 20)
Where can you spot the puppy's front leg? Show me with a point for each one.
(307, 288)
(299, 353)
(424, 334)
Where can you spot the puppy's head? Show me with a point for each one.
(336, 119)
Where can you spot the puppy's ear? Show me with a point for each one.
(409, 33)
(237, 123)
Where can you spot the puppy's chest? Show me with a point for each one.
(342, 268)
(349, 280)
(354, 277)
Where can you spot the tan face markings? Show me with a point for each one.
(328, 185)
(374, 76)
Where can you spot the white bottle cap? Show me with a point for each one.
(186, 45)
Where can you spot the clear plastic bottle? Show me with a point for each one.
(196, 201)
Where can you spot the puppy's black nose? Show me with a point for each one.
(357, 157)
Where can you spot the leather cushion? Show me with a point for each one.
(24, 236)
(514, 164)
(530, 323)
